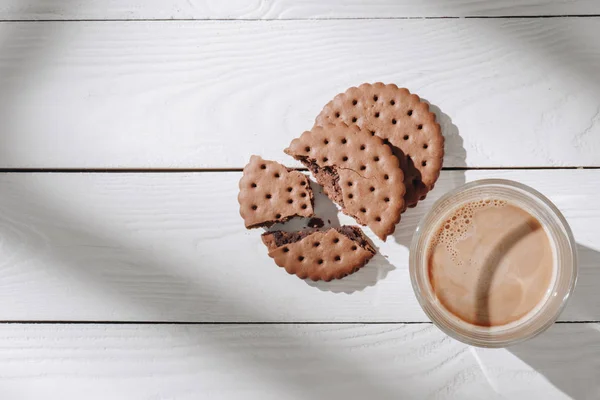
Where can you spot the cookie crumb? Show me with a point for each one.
(315, 223)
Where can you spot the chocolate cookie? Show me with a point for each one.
(320, 255)
(404, 121)
(271, 193)
(357, 171)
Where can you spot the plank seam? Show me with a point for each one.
(297, 19)
(64, 322)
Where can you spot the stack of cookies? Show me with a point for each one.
(375, 149)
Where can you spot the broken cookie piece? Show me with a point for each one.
(271, 193)
(357, 171)
(320, 255)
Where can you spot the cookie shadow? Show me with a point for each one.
(455, 155)
(451, 176)
(375, 270)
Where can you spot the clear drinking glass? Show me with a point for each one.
(561, 287)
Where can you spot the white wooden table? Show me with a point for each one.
(125, 271)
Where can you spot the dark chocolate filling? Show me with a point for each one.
(326, 177)
(353, 233)
(270, 223)
(282, 238)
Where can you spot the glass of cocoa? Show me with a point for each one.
(493, 263)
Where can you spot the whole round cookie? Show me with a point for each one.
(271, 193)
(403, 121)
(357, 171)
(320, 255)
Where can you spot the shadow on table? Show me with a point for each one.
(568, 355)
(376, 270)
(34, 224)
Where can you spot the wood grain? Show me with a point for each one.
(284, 9)
(199, 94)
(172, 247)
(291, 362)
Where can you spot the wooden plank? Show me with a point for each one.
(284, 9)
(291, 361)
(172, 247)
(208, 94)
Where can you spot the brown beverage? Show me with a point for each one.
(490, 262)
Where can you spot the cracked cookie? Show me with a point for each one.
(357, 171)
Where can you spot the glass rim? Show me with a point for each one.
(430, 309)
